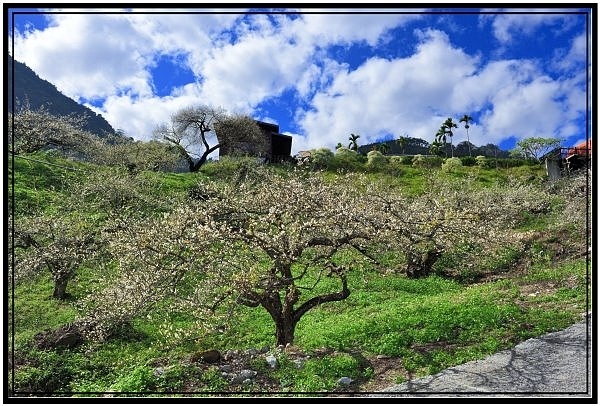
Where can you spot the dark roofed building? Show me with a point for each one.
(278, 146)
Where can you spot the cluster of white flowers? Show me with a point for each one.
(270, 239)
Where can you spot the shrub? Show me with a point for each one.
(141, 379)
(346, 159)
(426, 161)
(407, 159)
(468, 160)
(376, 161)
(483, 162)
(231, 167)
(395, 165)
(451, 164)
(320, 158)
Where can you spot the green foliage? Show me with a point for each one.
(376, 161)
(318, 374)
(346, 159)
(483, 162)
(45, 372)
(139, 379)
(320, 158)
(432, 323)
(427, 161)
(230, 168)
(536, 147)
(452, 164)
(468, 161)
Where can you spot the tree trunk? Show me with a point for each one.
(284, 330)
(195, 166)
(60, 287)
(421, 266)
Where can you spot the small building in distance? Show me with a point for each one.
(580, 155)
(566, 160)
(278, 146)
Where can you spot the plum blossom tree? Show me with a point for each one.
(270, 241)
(54, 243)
(426, 226)
(34, 130)
(191, 129)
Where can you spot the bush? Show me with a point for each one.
(451, 164)
(515, 162)
(427, 161)
(395, 165)
(346, 159)
(231, 167)
(43, 371)
(320, 158)
(376, 161)
(141, 379)
(406, 159)
(468, 161)
(483, 162)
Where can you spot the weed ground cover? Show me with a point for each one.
(420, 326)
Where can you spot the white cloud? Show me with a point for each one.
(510, 25)
(241, 62)
(241, 75)
(410, 95)
(324, 29)
(566, 60)
(415, 94)
(89, 56)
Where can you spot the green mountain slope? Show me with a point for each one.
(25, 87)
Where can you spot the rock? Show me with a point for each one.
(299, 363)
(225, 368)
(68, 336)
(243, 375)
(231, 354)
(272, 361)
(344, 380)
(209, 357)
(383, 356)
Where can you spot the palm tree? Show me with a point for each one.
(466, 118)
(353, 144)
(448, 126)
(384, 148)
(402, 142)
(440, 141)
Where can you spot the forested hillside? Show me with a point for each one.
(30, 91)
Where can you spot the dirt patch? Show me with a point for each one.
(387, 371)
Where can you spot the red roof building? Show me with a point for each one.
(583, 148)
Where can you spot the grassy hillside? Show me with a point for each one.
(413, 326)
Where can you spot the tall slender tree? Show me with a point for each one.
(448, 125)
(353, 145)
(466, 119)
(439, 144)
(402, 142)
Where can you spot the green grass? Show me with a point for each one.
(431, 323)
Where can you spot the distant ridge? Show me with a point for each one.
(36, 92)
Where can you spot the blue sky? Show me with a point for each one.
(323, 74)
